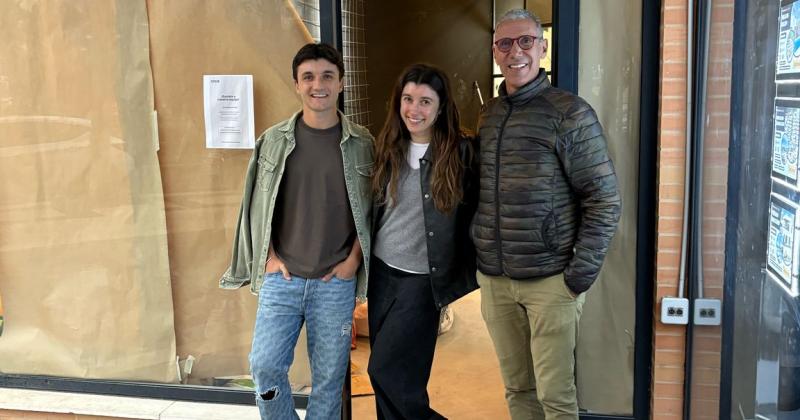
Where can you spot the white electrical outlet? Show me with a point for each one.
(707, 312)
(675, 310)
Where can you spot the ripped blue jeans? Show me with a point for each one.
(283, 306)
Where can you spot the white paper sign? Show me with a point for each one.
(229, 111)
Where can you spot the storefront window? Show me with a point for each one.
(117, 222)
(609, 81)
(760, 351)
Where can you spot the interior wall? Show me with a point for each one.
(454, 35)
(542, 8)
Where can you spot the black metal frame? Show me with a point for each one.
(646, 217)
(566, 38)
(732, 217)
(330, 22)
(137, 389)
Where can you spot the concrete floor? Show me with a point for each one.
(465, 381)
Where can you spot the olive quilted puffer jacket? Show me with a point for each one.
(548, 191)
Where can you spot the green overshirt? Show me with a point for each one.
(262, 180)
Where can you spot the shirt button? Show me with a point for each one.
(433, 269)
(430, 233)
(427, 196)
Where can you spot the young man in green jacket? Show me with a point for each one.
(302, 240)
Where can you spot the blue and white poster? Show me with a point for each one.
(782, 245)
(785, 143)
(788, 60)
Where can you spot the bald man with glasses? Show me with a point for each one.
(549, 207)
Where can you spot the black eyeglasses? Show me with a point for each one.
(525, 42)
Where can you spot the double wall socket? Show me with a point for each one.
(707, 312)
(675, 310)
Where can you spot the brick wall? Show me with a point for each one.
(707, 340)
(670, 340)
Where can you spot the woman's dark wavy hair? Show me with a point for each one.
(392, 142)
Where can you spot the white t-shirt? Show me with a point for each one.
(415, 152)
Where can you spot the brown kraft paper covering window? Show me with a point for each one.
(203, 187)
(84, 268)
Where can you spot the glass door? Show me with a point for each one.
(609, 78)
(760, 373)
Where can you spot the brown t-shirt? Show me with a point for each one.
(312, 227)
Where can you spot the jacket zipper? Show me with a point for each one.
(497, 190)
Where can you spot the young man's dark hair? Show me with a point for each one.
(315, 52)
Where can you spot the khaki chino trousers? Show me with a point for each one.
(534, 328)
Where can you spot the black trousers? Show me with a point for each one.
(403, 326)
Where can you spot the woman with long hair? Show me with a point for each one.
(426, 189)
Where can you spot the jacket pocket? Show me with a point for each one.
(365, 169)
(266, 171)
(365, 179)
(549, 231)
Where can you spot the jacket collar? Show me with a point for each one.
(527, 92)
(288, 125)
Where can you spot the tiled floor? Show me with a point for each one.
(465, 382)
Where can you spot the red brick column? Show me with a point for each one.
(670, 340)
(707, 340)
